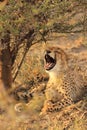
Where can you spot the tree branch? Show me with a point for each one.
(15, 50)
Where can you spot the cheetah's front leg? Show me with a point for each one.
(50, 106)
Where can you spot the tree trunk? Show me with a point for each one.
(6, 81)
(5, 62)
(5, 75)
(5, 67)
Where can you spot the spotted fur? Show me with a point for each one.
(65, 85)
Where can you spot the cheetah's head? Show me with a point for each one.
(55, 59)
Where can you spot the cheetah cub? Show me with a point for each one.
(65, 86)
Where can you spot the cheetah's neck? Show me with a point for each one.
(55, 78)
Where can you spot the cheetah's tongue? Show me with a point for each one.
(48, 65)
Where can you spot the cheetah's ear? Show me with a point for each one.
(63, 53)
(64, 57)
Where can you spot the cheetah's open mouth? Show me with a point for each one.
(49, 62)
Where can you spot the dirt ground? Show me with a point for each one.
(73, 117)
